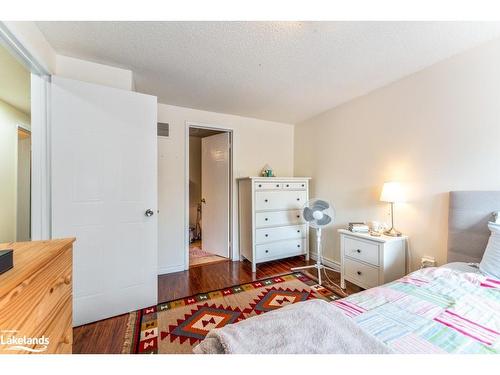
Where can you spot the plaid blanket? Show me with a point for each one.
(434, 310)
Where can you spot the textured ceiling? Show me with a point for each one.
(15, 82)
(284, 71)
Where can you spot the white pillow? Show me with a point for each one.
(490, 264)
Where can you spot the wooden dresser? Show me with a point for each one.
(270, 218)
(36, 298)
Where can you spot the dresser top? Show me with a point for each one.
(274, 178)
(367, 236)
(29, 257)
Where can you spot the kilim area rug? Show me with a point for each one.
(177, 326)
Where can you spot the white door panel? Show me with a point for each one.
(215, 192)
(104, 177)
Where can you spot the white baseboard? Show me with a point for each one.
(327, 262)
(170, 269)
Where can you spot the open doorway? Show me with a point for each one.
(15, 149)
(209, 155)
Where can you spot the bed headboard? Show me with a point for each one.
(468, 218)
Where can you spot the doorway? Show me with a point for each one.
(209, 195)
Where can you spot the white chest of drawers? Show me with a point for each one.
(369, 261)
(270, 218)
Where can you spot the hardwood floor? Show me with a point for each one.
(106, 336)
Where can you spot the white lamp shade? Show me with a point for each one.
(392, 192)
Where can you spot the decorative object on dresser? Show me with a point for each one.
(267, 171)
(317, 213)
(392, 193)
(371, 261)
(270, 218)
(36, 298)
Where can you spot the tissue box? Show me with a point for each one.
(6, 260)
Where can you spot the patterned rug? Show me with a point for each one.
(195, 251)
(177, 326)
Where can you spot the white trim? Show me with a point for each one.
(199, 125)
(327, 262)
(170, 269)
(8, 39)
(40, 159)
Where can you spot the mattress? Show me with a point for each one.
(452, 309)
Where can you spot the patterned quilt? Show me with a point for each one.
(434, 310)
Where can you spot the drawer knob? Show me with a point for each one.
(358, 251)
(267, 235)
(266, 200)
(298, 216)
(287, 185)
(298, 199)
(298, 245)
(266, 219)
(267, 251)
(359, 272)
(260, 185)
(298, 230)
(277, 185)
(303, 185)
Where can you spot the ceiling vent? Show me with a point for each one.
(163, 129)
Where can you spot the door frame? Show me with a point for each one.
(199, 125)
(40, 131)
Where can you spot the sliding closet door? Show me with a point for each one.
(104, 193)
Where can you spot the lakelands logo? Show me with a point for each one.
(10, 339)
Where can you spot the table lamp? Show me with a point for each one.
(392, 193)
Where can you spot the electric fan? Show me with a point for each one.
(317, 213)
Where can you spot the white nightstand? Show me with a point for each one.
(369, 261)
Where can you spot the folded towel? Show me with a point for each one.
(313, 326)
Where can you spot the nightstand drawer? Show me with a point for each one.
(361, 274)
(362, 250)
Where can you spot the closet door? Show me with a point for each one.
(215, 194)
(104, 193)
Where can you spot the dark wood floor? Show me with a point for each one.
(106, 336)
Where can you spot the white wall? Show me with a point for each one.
(255, 143)
(82, 70)
(10, 118)
(435, 131)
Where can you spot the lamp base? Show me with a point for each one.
(392, 232)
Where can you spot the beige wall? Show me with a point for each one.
(194, 178)
(256, 142)
(435, 131)
(10, 118)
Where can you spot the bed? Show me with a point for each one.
(448, 309)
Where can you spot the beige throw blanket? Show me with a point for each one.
(314, 326)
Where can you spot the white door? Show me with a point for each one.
(104, 178)
(215, 194)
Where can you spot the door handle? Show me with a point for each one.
(203, 200)
(149, 212)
